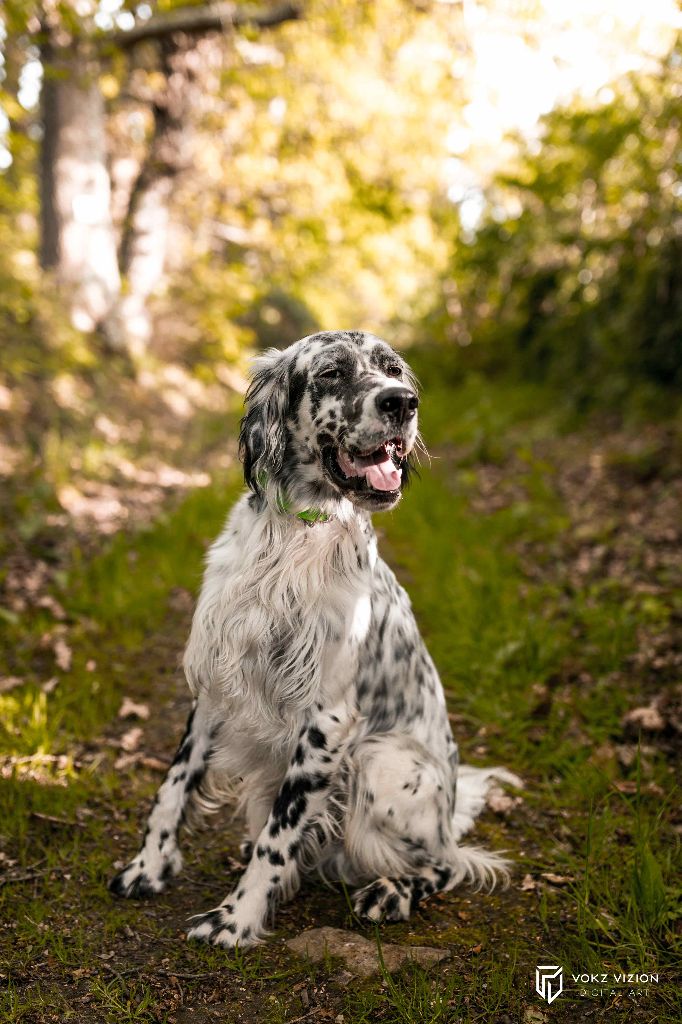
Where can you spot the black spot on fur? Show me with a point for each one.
(194, 779)
(443, 875)
(213, 918)
(140, 888)
(292, 800)
(186, 743)
(391, 906)
(316, 738)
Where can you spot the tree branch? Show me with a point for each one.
(209, 18)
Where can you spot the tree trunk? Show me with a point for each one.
(49, 225)
(145, 233)
(77, 232)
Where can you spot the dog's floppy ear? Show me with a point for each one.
(262, 435)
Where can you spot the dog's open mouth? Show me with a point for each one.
(376, 470)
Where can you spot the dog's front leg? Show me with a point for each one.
(160, 858)
(273, 872)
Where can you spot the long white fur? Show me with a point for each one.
(312, 596)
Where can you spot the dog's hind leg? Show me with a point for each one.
(159, 857)
(302, 807)
(394, 899)
(400, 828)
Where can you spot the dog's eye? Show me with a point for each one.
(329, 373)
(394, 370)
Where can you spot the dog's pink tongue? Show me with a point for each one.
(383, 476)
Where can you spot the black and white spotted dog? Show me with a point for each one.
(316, 702)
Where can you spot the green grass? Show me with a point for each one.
(114, 603)
(528, 660)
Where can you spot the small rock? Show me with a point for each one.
(533, 1016)
(360, 954)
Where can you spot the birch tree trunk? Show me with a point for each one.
(145, 235)
(78, 238)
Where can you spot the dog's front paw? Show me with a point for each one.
(143, 878)
(220, 927)
(387, 899)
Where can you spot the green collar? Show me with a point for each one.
(310, 516)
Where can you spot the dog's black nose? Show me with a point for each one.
(398, 403)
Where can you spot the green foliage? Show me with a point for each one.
(574, 274)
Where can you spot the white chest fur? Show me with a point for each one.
(282, 614)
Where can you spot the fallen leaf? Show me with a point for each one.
(8, 683)
(649, 718)
(557, 879)
(130, 709)
(154, 763)
(125, 761)
(500, 802)
(630, 787)
(130, 740)
(62, 653)
(528, 884)
(51, 605)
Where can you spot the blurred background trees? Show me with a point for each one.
(574, 272)
(181, 184)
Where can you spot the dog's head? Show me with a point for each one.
(334, 416)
